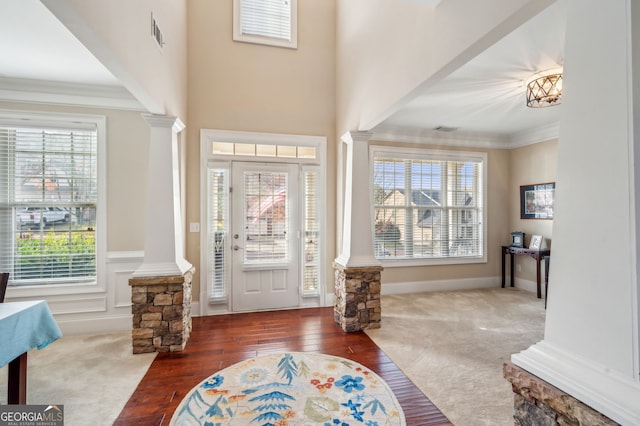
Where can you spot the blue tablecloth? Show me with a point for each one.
(24, 326)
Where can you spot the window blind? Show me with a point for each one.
(267, 18)
(311, 250)
(217, 233)
(427, 208)
(266, 21)
(48, 200)
(266, 218)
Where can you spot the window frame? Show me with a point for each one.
(81, 121)
(376, 151)
(238, 35)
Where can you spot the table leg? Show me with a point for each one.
(17, 383)
(538, 262)
(546, 280)
(503, 267)
(513, 280)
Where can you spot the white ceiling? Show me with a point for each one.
(484, 97)
(41, 48)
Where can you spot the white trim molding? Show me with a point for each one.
(411, 287)
(466, 139)
(69, 94)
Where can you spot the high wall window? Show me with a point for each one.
(49, 200)
(428, 205)
(271, 22)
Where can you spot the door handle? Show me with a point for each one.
(237, 247)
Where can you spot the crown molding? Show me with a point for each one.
(69, 94)
(466, 139)
(534, 135)
(434, 137)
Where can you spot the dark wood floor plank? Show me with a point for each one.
(220, 341)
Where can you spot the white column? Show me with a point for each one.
(590, 348)
(357, 238)
(163, 245)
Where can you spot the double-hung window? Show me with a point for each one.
(271, 22)
(428, 205)
(49, 198)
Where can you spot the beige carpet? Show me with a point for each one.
(93, 376)
(453, 344)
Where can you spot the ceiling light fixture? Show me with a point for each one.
(545, 89)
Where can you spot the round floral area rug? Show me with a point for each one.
(291, 389)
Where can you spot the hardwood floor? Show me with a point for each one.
(217, 342)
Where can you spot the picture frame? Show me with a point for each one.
(536, 201)
(536, 242)
(517, 239)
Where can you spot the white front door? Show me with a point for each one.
(264, 236)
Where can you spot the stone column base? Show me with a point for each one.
(536, 402)
(357, 299)
(161, 308)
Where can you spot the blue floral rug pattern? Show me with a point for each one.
(291, 389)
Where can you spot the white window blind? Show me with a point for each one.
(48, 201)
(217, 232)
(428, 207)
(311, 261)
(271, 22)
(266, 218)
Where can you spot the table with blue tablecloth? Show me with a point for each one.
(23, 326)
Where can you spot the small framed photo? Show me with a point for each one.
(536, 201)
(536, 242)
(517, 239)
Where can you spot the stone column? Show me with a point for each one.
(357, 271)
(357, 299)
(161, 286)
(161, 308)
(536, 402)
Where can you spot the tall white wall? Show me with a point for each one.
(590, 348)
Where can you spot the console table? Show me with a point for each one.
(538, 255)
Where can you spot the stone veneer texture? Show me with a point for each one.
(537, 403)
(357, 297)
(161, 308)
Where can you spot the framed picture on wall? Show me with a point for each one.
(536, 201)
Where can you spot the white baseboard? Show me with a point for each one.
(437, 285)
(440, 285)
(94, 325)
(99, 324)
(530, 286)
(613, 394)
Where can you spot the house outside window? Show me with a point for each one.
(428, 206)
(50, 198)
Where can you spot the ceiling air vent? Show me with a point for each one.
(156, 33)
(445, 129)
